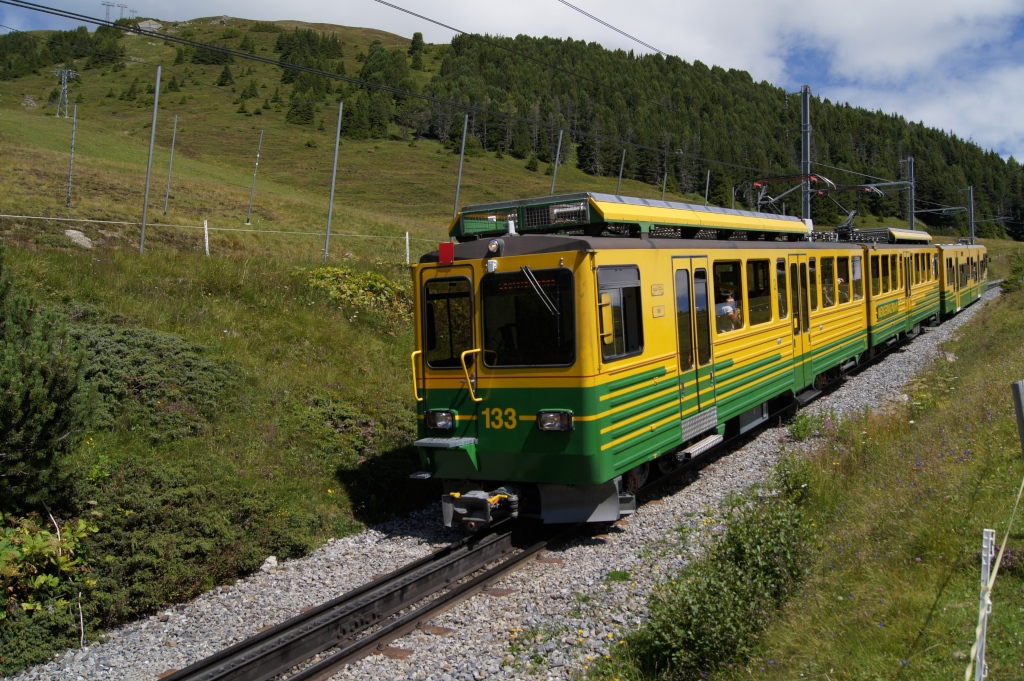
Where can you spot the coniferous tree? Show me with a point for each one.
(225, 77)
(45, 402)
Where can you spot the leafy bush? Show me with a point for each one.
(806, 426)
(41, 577)
(166, 536)
(717, 608)
(366, 291)
(792, 477)
(45, 401)
(157, 383)
(39, 567)
(345, 435)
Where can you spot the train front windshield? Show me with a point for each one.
(528, 318)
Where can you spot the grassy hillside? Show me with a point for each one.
(245, 411)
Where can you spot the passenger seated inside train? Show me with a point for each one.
(727, 312)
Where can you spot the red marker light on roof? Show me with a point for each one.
(446, 253)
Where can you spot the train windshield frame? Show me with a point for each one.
(447, 321)
(529, 318)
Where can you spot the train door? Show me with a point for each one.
(445, 367)
(695, 353)
(908, 281)
(803, 367)
(957, 282)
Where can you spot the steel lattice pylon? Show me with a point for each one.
(62, 101)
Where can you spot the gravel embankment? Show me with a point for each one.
(557, 614)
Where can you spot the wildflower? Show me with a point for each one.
(330, 491)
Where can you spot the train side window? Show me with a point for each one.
(843, 272)
(684, 323)
(828, 282)
(448, 322)
(876, 282)
(894, 266)
(728, 295)
(759, 291)
(703, 312)
(885, 274)
(780, 276)
(619, 291)
(949, 271)
(857, 276)
(917, 268)
(812, 272)
(974, 269)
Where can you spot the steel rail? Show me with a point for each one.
(340, 620)
(420, 616)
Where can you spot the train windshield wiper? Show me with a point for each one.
(532, 279)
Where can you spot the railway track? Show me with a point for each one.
(363, 620)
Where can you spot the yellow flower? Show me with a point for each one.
(330, 491)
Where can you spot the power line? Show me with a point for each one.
(606, 24)
(23, 4)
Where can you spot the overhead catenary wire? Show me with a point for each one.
(607, 25)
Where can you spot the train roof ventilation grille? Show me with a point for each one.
(557, 214)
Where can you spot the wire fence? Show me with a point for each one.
(407, 238)
(990, 571)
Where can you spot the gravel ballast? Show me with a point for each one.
(559, 614)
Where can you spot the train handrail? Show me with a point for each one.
(465, 370)
(415, 389)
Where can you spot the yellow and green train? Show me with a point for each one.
(568, 343)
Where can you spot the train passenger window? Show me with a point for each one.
(812, 270)
(828, 282)
(780, 276)
(917, 268)
(949, 271)
(843, 271)
(448, 322)
(876, 281)
(759, 291)
(619, 291)
(974, 269)
(857, 277)
(728, 296)
(703, 312)
(526, 325)
(895, 267)
(684, 322)
(885, 274)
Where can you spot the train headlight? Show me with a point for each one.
(440, 419)
(496, 246)
(554, 420)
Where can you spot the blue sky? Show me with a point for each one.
(954, 65)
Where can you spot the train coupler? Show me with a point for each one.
(478, 508)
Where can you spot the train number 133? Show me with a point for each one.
(497, 418)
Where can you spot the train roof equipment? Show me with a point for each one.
(592, 214)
